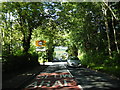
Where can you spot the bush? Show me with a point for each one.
(15, 63)
(94, 59)
(115, 58)
(102, 62)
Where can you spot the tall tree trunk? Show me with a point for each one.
(1, 42)
(26, 41)
(108, 38)
(112, 12)
(115, 38)
(10, 24)
(50, 49)
(75, 50)
(107, 30)
(7, 28)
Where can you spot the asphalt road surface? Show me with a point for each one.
(85, 78)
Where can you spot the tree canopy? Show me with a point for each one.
(91, 29)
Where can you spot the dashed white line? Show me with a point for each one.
(73, 76)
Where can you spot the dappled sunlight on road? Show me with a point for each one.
(53, 63)
(93, 80)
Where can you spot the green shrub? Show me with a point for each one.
(14, 63)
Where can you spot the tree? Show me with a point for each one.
(28, 16)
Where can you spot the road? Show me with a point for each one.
(85, 78)
(94, 80)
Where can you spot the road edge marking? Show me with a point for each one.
(73, 76)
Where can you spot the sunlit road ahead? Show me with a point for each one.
(54, 63)
(86, 78)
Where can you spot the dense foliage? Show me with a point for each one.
(90, 30)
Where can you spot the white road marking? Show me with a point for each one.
(80, 87)
(73, 76)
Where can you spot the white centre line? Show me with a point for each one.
(73, 76)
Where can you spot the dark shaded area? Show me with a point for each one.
(94, 80)
(19, 79)
(18, 69)
(13, 63)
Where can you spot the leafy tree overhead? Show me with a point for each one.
(28, 17)
(89, 27)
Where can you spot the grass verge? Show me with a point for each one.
(111, 70)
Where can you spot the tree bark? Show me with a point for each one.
(115, 38)
(107, 30)
(50, 50)
(26, 41)
(75, 50)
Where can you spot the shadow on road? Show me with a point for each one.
(21, 79)
(93, 80)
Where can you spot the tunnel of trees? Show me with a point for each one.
(90, 28)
